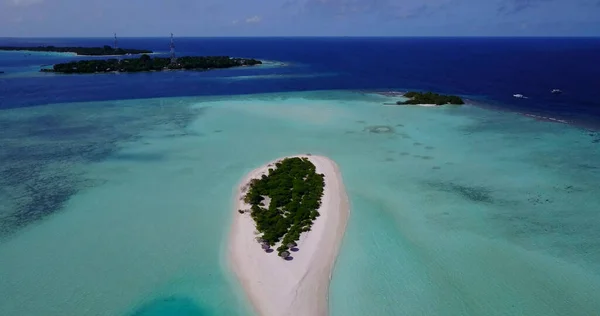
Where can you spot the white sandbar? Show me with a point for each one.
(277, 287)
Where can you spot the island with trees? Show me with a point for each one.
(146, 63)
(285, 202)
(430, 98)
(84, 51)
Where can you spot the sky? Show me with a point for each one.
(132, 18)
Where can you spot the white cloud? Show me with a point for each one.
(234, 22)
(24, 3)
(254, 19)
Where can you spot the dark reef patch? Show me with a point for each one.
(473, 193)
(538, 199)
(417, 144)
(404, 153)
(176, 135)
(42, 150)
(595, 136)
(567, 188)
(429, 147)
(380, 129)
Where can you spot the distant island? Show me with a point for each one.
(84, 51)
(430, 98)
(285, 202)
(146, 63)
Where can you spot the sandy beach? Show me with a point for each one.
(277, 287)
(425, 105)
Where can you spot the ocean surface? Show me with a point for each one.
(116, 189)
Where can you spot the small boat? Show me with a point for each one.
(519, 96)
(556, 91)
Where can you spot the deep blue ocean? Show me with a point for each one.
(489, 70)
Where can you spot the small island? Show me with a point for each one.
(299, 203)
(84, 51)
(420, 98)
(146, 63)
(285, 202)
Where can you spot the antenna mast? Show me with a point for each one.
(173, 58)
(116, 46)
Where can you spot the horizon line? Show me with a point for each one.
(321, 36)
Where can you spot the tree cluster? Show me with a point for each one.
(85, 51)
(295, 190)
(146, 63)
(430, 98)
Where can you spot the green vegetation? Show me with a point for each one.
(146, 63)
(295, 190)
(430, 98)
(86, 51)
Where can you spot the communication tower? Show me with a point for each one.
(173, 58)
(116, 46)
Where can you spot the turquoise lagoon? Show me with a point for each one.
(454, 210)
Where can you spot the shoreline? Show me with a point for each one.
(276, 287)
(74, 54)
(41, 52)
(137, 54)
(424, 104)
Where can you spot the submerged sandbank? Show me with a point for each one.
(425, 105)
(299, 286)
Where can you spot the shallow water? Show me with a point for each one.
(454, 210)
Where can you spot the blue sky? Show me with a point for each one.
(62, 18)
